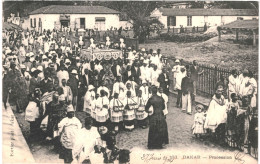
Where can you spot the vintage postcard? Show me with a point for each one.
(137, 82)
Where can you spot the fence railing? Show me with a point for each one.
(206, 84)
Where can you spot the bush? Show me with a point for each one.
(187, 37)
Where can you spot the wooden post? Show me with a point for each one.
(236, 35)
(219, 35)
(254, 38)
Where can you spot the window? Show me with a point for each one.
(171, 21)
(100, 23)
(31, 23)
(40, 21)
(82, 23)
(189, 21)
(240, 18)
(34, 23)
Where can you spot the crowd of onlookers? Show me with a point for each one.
(45, 76)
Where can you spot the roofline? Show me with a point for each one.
(201, 14)
(48, 7)
(70, 13)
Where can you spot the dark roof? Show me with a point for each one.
(65, 9)
(208, 12)
(241, 24)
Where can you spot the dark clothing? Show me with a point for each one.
(86, 82)
(158, 131)
(33, 84)
(186, 85)
(66, 154)
(126, 77)
(56, 113)
(136, 73)
(194, 73)
(113, 69)
(73, 82)
(179, 98)
(164, 82)
(45, 84)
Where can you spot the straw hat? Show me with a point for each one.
(74, 72)
(91, 87)
(199, 106)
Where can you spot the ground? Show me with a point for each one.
(179, 128)
(225, 54)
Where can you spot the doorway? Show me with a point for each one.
(82, 23)
(64, 23)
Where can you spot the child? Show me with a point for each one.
(199, 119)
(233, 106)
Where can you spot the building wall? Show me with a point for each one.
(25, 24)
(228, 19)
(214, 21)
(198, 20)
(112, 20)
(49, 21)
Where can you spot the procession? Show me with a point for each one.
(50, 77)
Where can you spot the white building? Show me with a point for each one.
(172, 17)
(75, 17)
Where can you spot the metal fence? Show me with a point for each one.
(206, 84)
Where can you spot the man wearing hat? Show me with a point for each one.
(27, 62)
(91, 139)
(176, 69)
(135, 72)
(187, 90)
(34, 83)
(154, 58)
(73, 82)
(46, 82)
(68, 129)
(164, 81)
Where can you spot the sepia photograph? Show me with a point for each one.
(130, 82)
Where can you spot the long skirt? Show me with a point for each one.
(66, 154)
(158, 132)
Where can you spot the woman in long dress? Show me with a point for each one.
(217, 115)
(158, 131)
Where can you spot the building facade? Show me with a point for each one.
(75, 17)
(172, 17)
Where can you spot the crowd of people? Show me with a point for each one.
(46, 76)
(232, 115)
(48, 79)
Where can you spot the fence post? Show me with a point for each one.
(173, 29)
(215, 78)
(197, 28)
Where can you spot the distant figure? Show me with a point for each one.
(205, 27)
